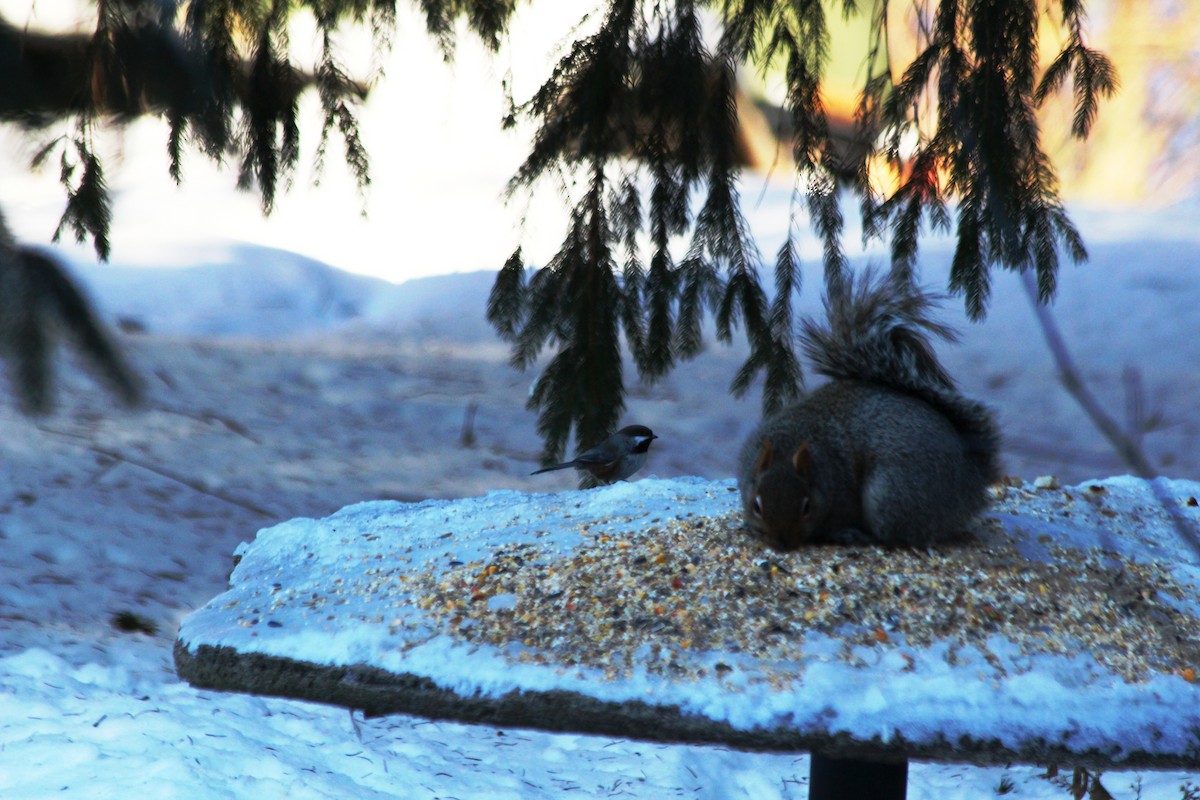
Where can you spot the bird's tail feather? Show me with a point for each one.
(567, 465)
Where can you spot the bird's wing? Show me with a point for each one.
(605, 471)
(603, 454)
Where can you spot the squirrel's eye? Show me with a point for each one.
(757, 505)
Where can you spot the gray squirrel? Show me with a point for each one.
(888, 452)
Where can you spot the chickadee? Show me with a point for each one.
(614, 459)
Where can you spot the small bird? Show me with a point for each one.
(614, 459)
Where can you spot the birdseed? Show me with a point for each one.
(660, 598)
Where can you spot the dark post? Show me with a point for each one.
(850, 779)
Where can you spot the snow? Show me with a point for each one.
(266, 425)
(216, 295)
(365, 620)
(281, 388)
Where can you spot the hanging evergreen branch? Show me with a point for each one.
(221, 74)
(89, 206)
(639, 122)
(646, 88)
(507, 305)
(980, 66)
(1093, 74)
(625, 210)
(271, 139)
(583, 106)
(334, 86)
(39, 304)
(487, 19)
(673, 82)
(776, 359)
(575, 301)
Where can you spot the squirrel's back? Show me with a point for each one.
(878, 331)
(888, 452)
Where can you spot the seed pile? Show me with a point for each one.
(661, 597)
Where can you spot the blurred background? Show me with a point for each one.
(328, 261)
(440, 161)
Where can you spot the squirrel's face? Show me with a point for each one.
(778, 506)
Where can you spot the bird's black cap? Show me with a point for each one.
(637, 430)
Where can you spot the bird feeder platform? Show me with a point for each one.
(1065, 630)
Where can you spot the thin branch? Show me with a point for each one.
(1068, 374)
(163, 472)
(1125, 445)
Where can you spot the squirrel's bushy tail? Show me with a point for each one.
(879, 330)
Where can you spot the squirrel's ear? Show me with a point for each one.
(802, 460)
(764, 456)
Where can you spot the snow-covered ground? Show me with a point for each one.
(279, 388)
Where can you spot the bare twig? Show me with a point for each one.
(163, 472)
(1068, 375)
(468, 427)
(1054, 451)
(1127, 446)
(1135, 404)
(208, 417)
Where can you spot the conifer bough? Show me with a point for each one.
(641, 117)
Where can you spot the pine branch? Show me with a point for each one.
(660, 292)
(783, 379)
(336, 91)
(579, 104)
(644, 90)
(626, 219)
(787, 284)
(38, 302)
(1095, 77)
(25, 341)
(506, 307)
(61, 298)
(583, 387)
(700, 288)
(981, 60)
(968, 270)
(919, 194)
(675, 77)
(175, 138)
(827, 222)
(89, 206)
